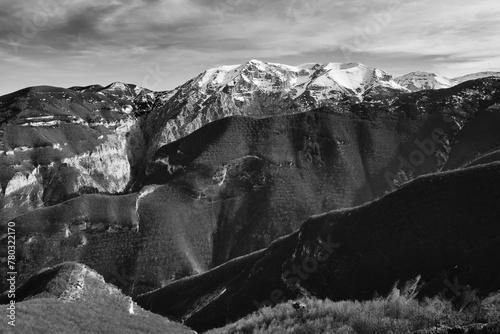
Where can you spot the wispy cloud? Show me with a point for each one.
(88, 41)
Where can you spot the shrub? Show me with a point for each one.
(397, 313)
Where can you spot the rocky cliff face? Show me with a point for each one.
(58, 143)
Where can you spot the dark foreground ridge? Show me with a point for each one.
(444, 227)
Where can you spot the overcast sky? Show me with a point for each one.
(160, 44)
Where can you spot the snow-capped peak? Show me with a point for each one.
(262, 89)
(218, 76)
(353, 78)
(420, 80)
(117, 86)
(348, 78)
(258, 63)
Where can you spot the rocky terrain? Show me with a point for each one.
(58, 143)
(210, 186)
(71, 297)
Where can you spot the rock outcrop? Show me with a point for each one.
(57, 143)
(71, 297)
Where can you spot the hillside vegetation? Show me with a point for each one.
(397, 313)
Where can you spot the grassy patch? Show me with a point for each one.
(48, 315)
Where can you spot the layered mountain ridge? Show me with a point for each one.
(357, 253)
(416, 81)
(160, 186)
(57, 143)
(260, 89)
(236, 184)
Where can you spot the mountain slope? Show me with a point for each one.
(261, 89)
(237, 184)
(71, 298)
(431, 227)
(416, 81)
(214, 178)
(474, 76)
(58, 143)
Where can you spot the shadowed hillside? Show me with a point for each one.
(444, 227)
(235, 185)
(97, 230)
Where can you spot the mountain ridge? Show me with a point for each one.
(240, 182)
(233, 175)
(348, 251)
(420, 80)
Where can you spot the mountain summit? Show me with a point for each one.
(324, 79)
(416, 81)
(261, 89)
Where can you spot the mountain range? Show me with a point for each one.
(208, 194)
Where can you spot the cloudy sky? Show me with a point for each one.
(160, 44)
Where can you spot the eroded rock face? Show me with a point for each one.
(23, 193)
(58, 143)
(108, 167)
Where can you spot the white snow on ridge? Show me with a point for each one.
(419, 80)
(350, 78)
(474, 76)
(218, 76)
(120, 86)
(416, 81)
